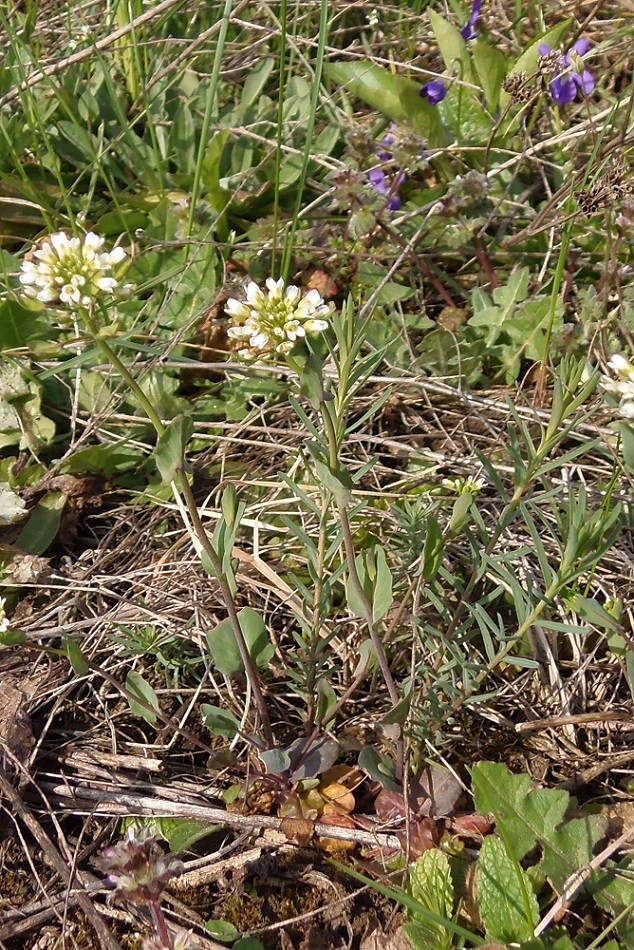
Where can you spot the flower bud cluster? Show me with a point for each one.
(137, 867)
(273, 321)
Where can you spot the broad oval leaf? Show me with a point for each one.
(394, 96)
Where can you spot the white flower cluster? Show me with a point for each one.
(72, 272)
(464, 486)
(4, 620)
(274, 321)
(623, 386)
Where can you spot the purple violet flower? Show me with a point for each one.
(573, 77)
(379, 183)
(468, 32)
(434, 91)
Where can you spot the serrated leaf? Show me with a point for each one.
(431, 884)
(530, 817)
(493, 315)
(171, 445)
(141, 689)
(506, 901)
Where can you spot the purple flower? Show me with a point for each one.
(137, 867)
(573, 77)
(379, 183)
(386, 141)
(434, 91)
(468, 31)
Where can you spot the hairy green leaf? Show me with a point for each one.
(431, 884)
(506, 900)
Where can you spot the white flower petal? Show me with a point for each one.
(259, 340)
(93, 242)
(315, 326)
(619, 364)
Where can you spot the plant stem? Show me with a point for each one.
(367, 606)
(182, 486)
(333, 453)
(161, 926)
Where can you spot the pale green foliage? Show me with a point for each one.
(506, 902)
(431, 884)
(22, 422)
(536, 816)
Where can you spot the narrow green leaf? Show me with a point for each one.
(141, 689)
(433, 549)
(75, 656)
(339, 484)
(382, 598)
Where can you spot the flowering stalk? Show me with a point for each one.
(181, 485)
(139, 871)
(279, 323)
(333, 447)
(73, 274)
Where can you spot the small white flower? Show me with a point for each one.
(72, 272)
(623, 386)
(373, 18)
(274, 320)
(464, 486)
